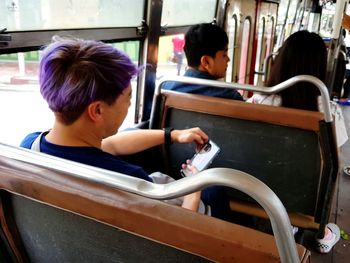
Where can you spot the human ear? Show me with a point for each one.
(94, 110)
(206, 62)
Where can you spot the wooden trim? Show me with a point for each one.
(297, 219)
(237, 109)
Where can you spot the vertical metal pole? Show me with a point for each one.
(283, 30)
(220, 12)
(302, 16)
(333, 49)
(150, 59)
(338, 17)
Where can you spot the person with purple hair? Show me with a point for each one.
(87, 85)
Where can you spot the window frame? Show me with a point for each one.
(148, 33)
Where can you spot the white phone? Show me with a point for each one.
(203, 158)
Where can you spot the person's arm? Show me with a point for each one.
(191, 201)
(129, 142)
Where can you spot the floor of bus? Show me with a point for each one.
(340, 209)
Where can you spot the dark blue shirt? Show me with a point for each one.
(214, 196)
(86, 155)
(201, 89)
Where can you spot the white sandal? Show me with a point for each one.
(324, 246)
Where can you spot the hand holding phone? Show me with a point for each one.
(203, 158)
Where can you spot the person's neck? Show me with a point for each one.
(199, 68)
(203, 72)
(73, 135)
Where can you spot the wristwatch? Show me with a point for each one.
(167, 135)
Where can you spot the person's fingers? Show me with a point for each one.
(199, 147)
(199, 135)
(202, 134)
(190, 135)
(198, 139)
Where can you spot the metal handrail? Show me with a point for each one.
(266, 64)
(265, 70)
(216, 176)
(343, 54)
(265, 90)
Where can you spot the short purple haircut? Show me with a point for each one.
(74, 73)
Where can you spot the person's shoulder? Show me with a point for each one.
(29, 139)
(110, 162)
(256, 98)
(139, 172)
(273, 100)
(194, 73)
(169, 85)
(132, 170)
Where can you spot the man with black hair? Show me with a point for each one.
(206, 53)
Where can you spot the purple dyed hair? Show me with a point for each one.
(74, 73)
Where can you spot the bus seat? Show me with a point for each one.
(285, 148)
(50, 215)
(297, 219)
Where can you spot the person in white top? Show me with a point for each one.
(303, 53)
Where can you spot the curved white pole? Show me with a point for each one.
(265, 90)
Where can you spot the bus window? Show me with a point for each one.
(291, 17)
(244, 52)
(189, 11)
(299, 20)
(22, 106)
(24, 110)
(327, 18)
(232, 29)
(171, 56)
(285, 18)
(40, 15)
(314, 22)
(270, 35)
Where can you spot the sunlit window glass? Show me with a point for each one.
(244, 52)
(232, 28)
(292, 13)
(327, 18)
(20, 98)
(171, 56)
(19, 15)
(180, 12)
